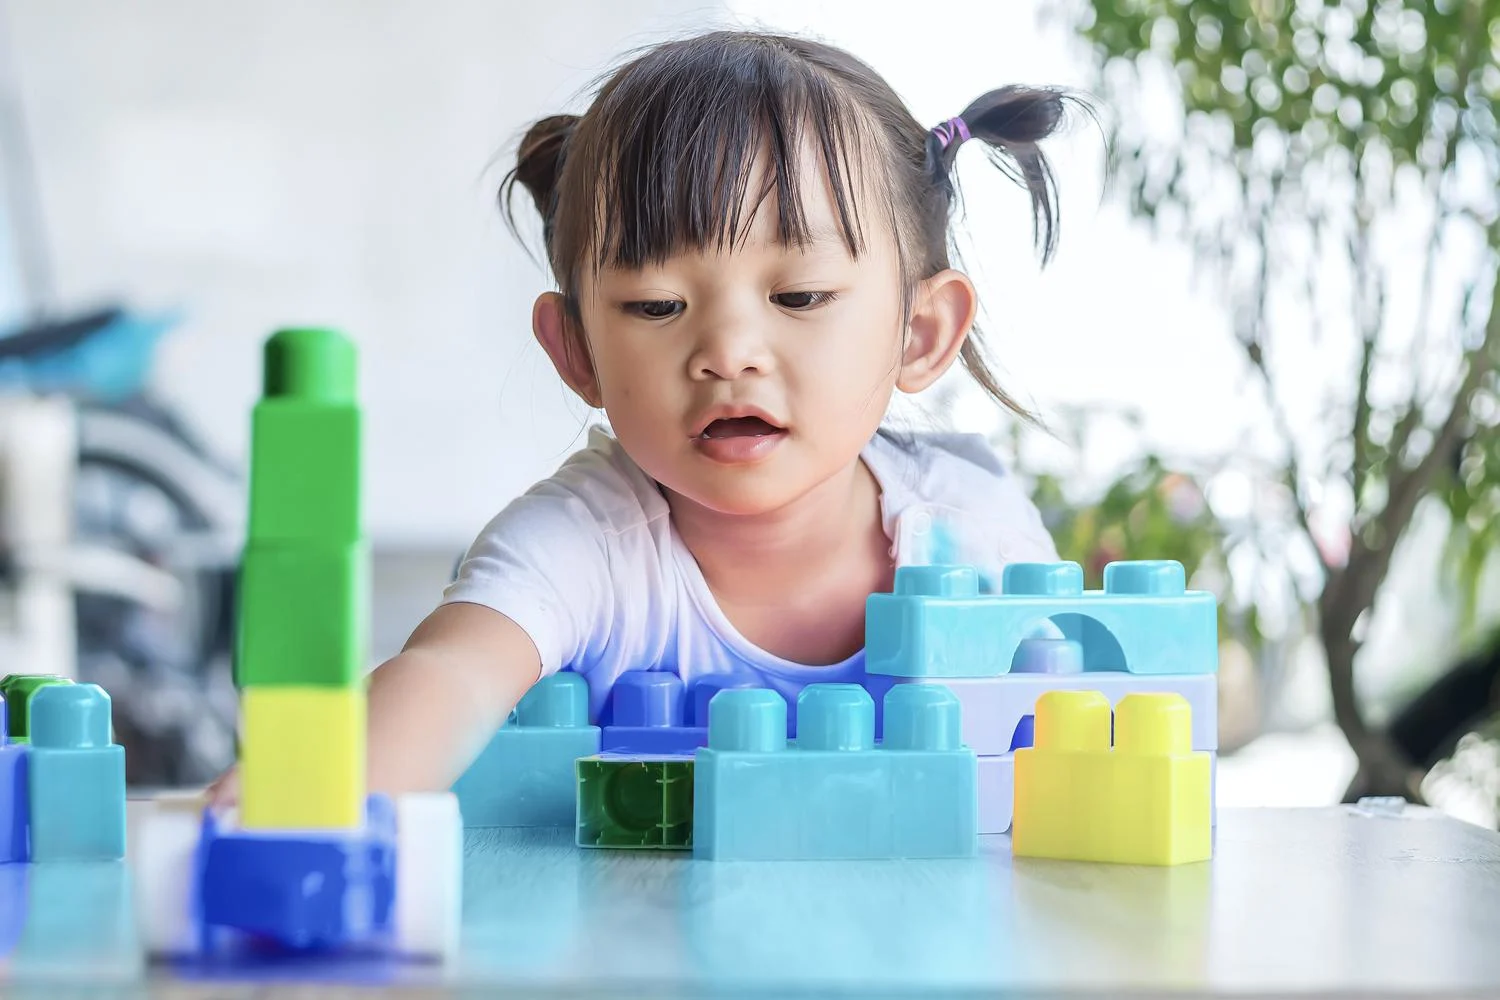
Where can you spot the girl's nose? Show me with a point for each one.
(729, 354)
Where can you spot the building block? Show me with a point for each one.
(525, 777)
(649, 713)
(937, 624)
(429, 875)
(15, 799)
(305, 442)
(302, 758)
(305, 608)
(1145, 800)
(17, 690)
(996, 793)
(833, 793)
(301, 889)
(77, 776)
(630, 801)
(994, 707)
(164, 869)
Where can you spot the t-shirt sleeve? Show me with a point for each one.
(543, 563)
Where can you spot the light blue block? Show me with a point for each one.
(833, 793)
(937, 623)
(77, 779)
(525, 776)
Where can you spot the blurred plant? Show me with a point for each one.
(1335, 163)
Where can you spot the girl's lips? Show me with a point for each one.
(741, 448)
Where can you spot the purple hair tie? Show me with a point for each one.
(951, 131)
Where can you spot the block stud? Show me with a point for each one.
(1047, 656)
(937, 581)
(647, 698)
(748, 719)
(703, 689)
(310, 364)
(1155, 724)
(1155, 577)
(70, 717)
(1072, 721)
(560, 701)
(835, 717)
(921, 717)
(1057, 579)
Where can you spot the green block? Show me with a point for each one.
(305, 441)
(303, 615)
(304, 472)
(628, 801)
(17, 690)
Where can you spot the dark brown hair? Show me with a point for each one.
(662, 160)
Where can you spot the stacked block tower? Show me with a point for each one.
(309, 861)
(1144, 632)
(303, 606)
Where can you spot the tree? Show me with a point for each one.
(1335, 164)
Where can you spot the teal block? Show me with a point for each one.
(525, 777)
(77, 779)
(833, 793)
(938, 624)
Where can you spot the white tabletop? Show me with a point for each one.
(1314, 900)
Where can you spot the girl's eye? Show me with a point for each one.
(655, 308)
(801, 300)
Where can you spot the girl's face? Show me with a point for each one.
(740, 380)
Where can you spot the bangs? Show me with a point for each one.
(695, 139)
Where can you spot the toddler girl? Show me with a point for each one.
(749, 234)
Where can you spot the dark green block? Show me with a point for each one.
(633, 802)
(303, 615)
(305, 471)
(17, 690)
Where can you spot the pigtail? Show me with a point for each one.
(539, 163)
(1012, 122)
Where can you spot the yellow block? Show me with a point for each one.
(1144, 801)
(302, 758)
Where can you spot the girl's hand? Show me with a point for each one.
(225, 791)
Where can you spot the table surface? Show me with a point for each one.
(1299, 900)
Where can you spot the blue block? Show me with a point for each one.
(525, 776)
(299, 890)
(833, 793)
(15, 804)
(646, 710)
(938, 624)
(77, 776)
(15, 899)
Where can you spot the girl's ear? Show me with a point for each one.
(549, 322)
(942, 313)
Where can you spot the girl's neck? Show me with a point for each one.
(772, 558)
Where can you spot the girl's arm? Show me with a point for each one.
(435, 705)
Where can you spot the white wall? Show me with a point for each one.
(273, 162)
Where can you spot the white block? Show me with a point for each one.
(429, 875)
(994, 706)
(163, 839)
(997, 776)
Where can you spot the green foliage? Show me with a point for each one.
(1310, 132)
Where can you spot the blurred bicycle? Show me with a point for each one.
(156, 526)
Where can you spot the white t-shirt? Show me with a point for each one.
(587, 561)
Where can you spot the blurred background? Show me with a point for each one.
(1267, 346)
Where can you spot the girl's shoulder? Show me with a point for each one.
(948, 496)
(601, 482)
